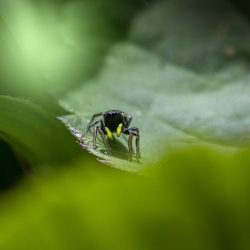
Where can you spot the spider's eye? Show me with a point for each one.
(129, 118)
(126, 119)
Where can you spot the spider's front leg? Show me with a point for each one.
(90, 124)
(133, 132)
(96, 131)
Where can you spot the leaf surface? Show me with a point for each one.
(175, 99)
(34, 133)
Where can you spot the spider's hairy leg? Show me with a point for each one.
(90, 126)
(104, 140)
(94, 137)
(130, 148)
(90, 123)
(133, 132)
(137, 144)
(136, 133)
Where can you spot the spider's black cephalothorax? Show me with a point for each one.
(114, 121)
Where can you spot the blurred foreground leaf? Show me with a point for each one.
(35, 133)
(195, 199)
(175, 99)
(51, 46)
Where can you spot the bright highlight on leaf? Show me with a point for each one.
(51, 46)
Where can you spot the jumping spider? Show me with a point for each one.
(114, 121)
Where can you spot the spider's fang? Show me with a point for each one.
(119, 129)
(109, 134)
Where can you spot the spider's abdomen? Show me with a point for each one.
(112, 119)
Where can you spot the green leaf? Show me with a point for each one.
(172, 107)
(175, 99)
(34, 133)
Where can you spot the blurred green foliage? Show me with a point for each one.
(205, 36)
(195, 199)
(52, 46)
(35, 133)
(181, 68)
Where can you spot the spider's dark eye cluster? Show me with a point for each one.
(127, 118)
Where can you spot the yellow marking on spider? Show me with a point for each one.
(119, 129)
(109, 134)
